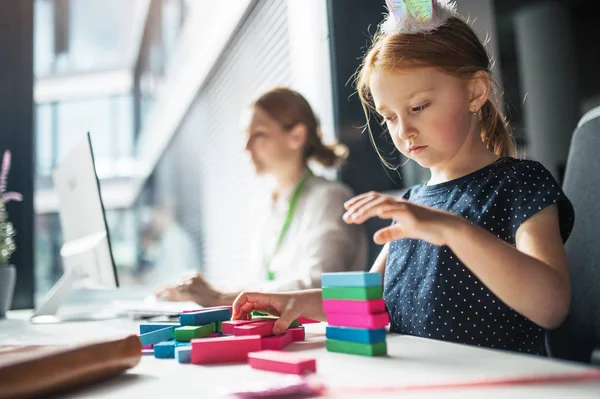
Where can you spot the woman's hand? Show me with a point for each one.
(288, 306)
(412, 221)
(193, 288)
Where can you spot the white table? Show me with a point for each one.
(411, 361)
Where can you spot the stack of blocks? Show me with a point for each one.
(209, 336)
(356, 313)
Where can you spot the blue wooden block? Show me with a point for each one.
(165, 350)
(182, 343)
(202, 317)
(156, 337)
(359, 335)
(183, 354)
(351, 279)
(146, 328)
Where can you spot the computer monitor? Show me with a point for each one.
(86, 254)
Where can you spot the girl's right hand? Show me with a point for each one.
(288, 306)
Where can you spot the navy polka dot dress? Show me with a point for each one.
(432, 294)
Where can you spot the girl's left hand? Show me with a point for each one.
(412, 221)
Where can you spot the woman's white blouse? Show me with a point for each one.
(317, 241)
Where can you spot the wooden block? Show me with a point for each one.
(297, 333)
(148, 347)
(304, 320)
(257, 313)
(282, 362)
(224, 349)
(183, 354)
(368, 321)
(277, 342)
(262, 328)
(147, 352)
(146, 328)
(187, 333)
(218, 326)
(351, 279)
(203, 317)
(158, 336)
(355, 307)
(295, 324)
(209, 308)
(355, 348)
(227, 327)
(165, 350)
(359, 335)
(354, 293)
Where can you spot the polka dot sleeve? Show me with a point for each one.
(533, 189)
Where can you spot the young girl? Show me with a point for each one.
(300, 232)
(476, 255)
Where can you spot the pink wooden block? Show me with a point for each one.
(304, 320)
(282, 362)
(209, 308)
(356, 307)
(262, 328)
(370, 321)
(297, 333)
(277, 342)
(148, 347)
(227, 327)
(224, 349)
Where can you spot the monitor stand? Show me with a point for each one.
(47, 312)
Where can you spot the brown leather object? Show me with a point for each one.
(34, 370)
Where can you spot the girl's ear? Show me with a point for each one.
(479, 90)
(297, 136)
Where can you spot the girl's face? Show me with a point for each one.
(426, 112)
(270, 146)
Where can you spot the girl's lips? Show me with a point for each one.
(417, 149)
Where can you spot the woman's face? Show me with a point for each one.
(270, 146)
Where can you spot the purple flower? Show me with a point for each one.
(7, 196)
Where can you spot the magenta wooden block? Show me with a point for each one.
(228, 327)
(304, 320)
(282, 362)
(369, 321)
(356, 307)
(148, 347)
(297, 333)
(262, 328)
(224, 349)
(277, 342)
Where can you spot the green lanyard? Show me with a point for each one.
(288, 220)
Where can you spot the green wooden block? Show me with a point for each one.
(356, 348)
(353, 293)
(218, 326)
(257, 313)
(295, 324)
(187, 333)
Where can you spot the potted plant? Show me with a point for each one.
(8, 272)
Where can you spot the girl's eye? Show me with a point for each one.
(389, 119)
(420, 108)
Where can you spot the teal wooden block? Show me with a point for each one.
(351, 279)
(183, 354)
(156, 337)
(165, 350)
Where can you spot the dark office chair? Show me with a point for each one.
(578, 338)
